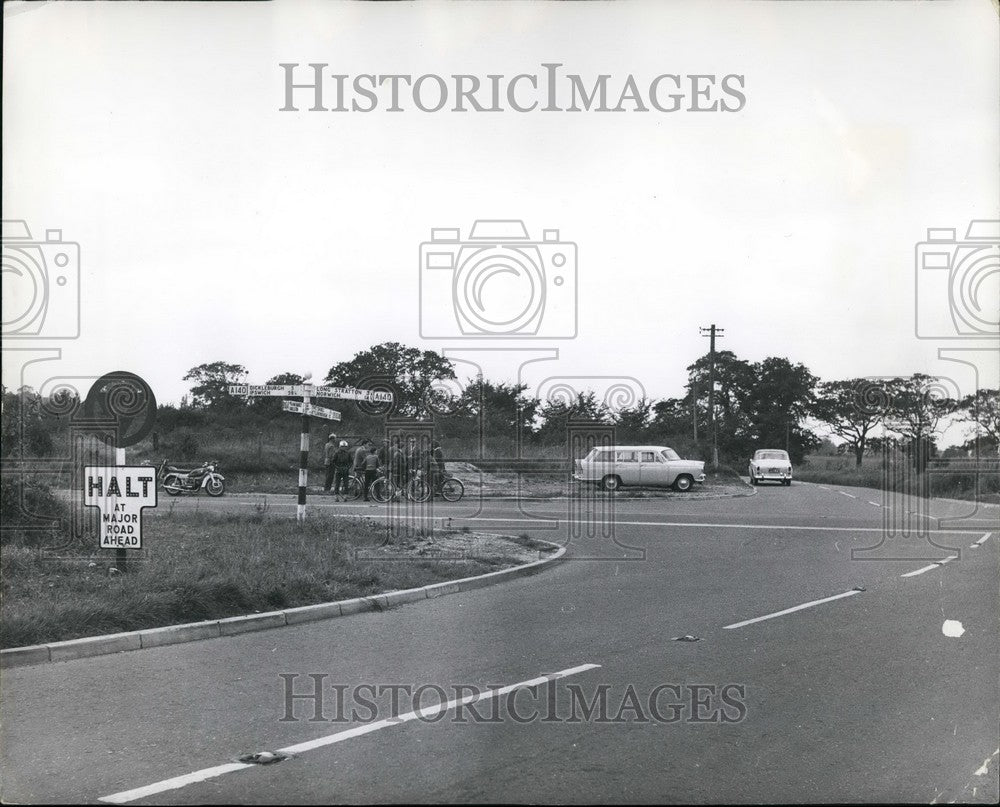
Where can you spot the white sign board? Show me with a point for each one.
(351, 394)
(310, 409)
(302, 390)
(264, 390)
(120, 493)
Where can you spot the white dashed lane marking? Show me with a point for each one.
(177, 782)
(792, 610)
(934, 565)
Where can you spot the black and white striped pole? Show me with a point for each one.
(305, 408)
(300, 510)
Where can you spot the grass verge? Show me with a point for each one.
(200, 566)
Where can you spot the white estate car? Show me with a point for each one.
(659, 466)
(770, 463)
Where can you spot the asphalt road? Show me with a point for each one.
(859, 696)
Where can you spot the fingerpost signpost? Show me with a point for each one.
(305, 408)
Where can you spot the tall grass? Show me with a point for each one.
(198, 566)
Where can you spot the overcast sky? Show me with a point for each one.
(214, 226)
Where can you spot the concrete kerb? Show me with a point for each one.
(231, 626)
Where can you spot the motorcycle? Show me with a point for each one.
(176, 481)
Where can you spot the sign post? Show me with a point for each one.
(306, 408)
(300, 508)
(120, 410)
(121, 556)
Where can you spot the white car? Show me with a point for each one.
(770, 464)
(650, 466)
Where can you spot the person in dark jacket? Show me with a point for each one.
(437, 465)
(371, 470)
(359, 457)
(397, 463)
(341, 463)
(413, 457)
(383, 454)
(328, 451)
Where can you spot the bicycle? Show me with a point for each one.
(385, 489)
(451, 489)
(355, 487)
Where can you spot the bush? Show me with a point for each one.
(184, 444)
(30, 513)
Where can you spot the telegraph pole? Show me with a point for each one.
(694, 410)
(712, 332)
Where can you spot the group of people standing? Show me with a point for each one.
(366, 460)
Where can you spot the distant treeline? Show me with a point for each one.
(771, 403)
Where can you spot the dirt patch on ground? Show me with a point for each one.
(498, 551)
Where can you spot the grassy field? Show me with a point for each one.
(949, 479)
(199, 566)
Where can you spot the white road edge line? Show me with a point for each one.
(178, 782)
(791, 610)
(617, 521)
(932, 566)
(555, 517)
(981, 541)
(842, 493)
(874, 504)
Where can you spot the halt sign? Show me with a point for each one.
(120, 493)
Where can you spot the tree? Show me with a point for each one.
(556, 414)
(211, 383)
(270, 407)
(982, 409)
(632, 422)
(25, 435)
(881, 445)
(733, 377)
(409, 372)
(852, 409)
(776, 396)
(915, 410)
(503, 407)
(673, 416)
(758, 405)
